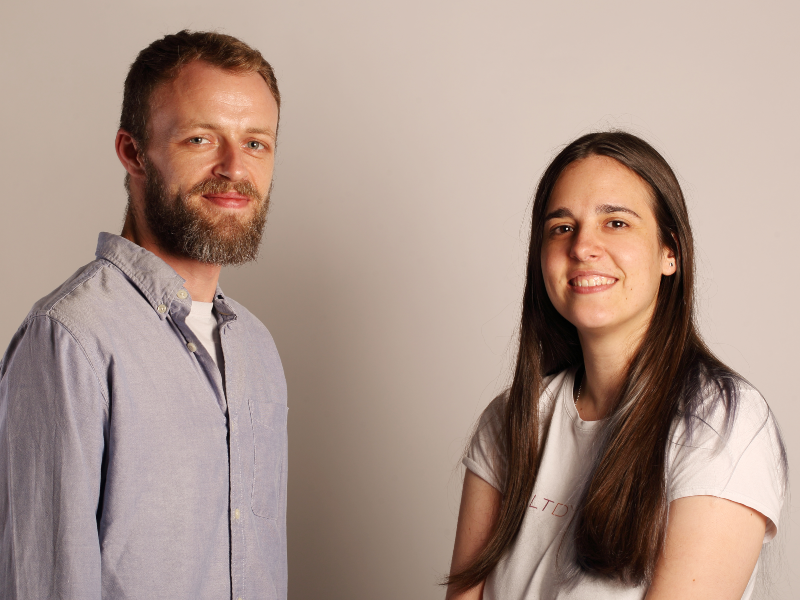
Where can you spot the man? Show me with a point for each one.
(143, 412)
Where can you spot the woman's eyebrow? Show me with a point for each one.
(559, 213)
(612, 208)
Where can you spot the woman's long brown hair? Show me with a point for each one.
(620, 524)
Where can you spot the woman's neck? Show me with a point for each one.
(605, 360)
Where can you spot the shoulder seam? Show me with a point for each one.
(90, 273)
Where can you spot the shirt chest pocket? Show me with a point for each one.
(269, 454)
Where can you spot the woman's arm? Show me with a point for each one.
(711, 548)
(477, 517)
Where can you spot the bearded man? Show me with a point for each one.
(142, 411)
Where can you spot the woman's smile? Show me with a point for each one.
(588, 282)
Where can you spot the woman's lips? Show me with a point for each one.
(590, 284)
(228, 199)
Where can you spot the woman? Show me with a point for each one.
(625, 460)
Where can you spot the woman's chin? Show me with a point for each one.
(593, 324)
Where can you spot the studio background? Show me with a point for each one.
(412, 136)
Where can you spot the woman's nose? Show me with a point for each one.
(586, 244)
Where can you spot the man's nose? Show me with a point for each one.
(230, 163)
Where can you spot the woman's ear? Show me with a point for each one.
(669, 261)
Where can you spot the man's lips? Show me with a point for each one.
(228, 199)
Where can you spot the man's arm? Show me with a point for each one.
(52, 420)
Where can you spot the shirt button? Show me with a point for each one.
(191, 347)
(183, 294)
(162, 308)
(236, 515)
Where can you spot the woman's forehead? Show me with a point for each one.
(600, 180)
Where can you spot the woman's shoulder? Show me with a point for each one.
(486, 454)
(727, 419)
(726, 408)
(551, 385)
(727, 444)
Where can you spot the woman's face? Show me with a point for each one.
(602, 260)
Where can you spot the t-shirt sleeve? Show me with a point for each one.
(744, 466)
(484, 457)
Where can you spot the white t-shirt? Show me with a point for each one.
(203, 323)
(746, 470)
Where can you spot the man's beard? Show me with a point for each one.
(185, 229)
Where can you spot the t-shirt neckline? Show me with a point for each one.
(201, 309)
(568, 402)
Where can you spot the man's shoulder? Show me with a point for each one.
(252, 333)
(64, 311)
(245, 317)
(80, 295)
(251, 348)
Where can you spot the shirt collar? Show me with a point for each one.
(155, 279)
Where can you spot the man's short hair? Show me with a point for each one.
(163, 60)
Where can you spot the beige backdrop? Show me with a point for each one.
(412, 136)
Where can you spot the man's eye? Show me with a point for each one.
(198, 140)
(254, 145)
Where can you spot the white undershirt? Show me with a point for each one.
(203, 323)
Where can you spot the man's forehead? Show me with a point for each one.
(208, 96)
(200, 78)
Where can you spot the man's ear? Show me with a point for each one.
(128, 154)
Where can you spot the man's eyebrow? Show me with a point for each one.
(199, 125)
(213, 127)
(612, 208)
(262, 131)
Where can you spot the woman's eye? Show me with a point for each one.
(562, 229)
(617, 224)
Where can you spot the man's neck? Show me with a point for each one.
(201, 278)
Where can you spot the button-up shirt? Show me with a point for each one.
(130, 467)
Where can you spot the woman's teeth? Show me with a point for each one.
(591, 281)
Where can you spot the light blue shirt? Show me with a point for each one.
(129, 467)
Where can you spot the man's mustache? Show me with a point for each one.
(218, 186)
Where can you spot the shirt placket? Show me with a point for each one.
(238, 514)
(178, 311)
(224, 388)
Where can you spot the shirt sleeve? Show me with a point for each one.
(744, 464)
(484, 456)
(53, 417)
